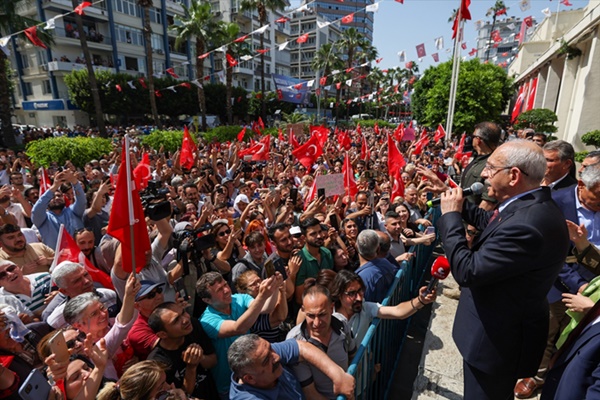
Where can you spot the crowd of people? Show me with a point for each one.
(257, 285)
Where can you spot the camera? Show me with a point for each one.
(154, 200)
(194, 242)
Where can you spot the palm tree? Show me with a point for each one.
(11, 21)
(376, 79)
(262, 6)
(198, 22)
(350, 43)
(492, 11)
(326, 61)
(226, 33)
(91, 74)
(146, 4)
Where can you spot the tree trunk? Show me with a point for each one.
(262, 12)
(487, 53)
(7, 138)
(228, 93)
(91, 73)
(150, 67)
(200, 76)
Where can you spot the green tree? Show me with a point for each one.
(11, 21)
(327, 60)
(146, 5)
(540, 119)
(199, 22)
(482, 94)
(262, 6)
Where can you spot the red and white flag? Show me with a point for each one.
(308, 153)
(188, 150)
(44, 180)
(421, 50)
(127, 212)
(365, 154)
(67, 250)
(31, 34)
(440, 133)
(348, 172)
(463, 13)
(79, 8)
(395, 159)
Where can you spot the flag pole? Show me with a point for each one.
(454, 77)
(130, 204)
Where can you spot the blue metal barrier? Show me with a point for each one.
(377, 357)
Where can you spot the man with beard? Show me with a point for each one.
(284, 250)
(314, 255)
(49, 212)
(85, 240)
(260, 369)
(20, 210)
(348, 293)
(30, 257)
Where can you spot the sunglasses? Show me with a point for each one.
(4, 274)
(472, 233)
(152, 294)
(224, 233)
(73, 342)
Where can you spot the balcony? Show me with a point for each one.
(178, 56)
(35, 70)
(57, 66)
(98, 41)
(96, 12)
(175, 6)
(283, 57)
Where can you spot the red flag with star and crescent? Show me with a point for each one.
(348, 172)
(308, 153)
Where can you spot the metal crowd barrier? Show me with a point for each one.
(377, 358)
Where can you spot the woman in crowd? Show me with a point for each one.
(349, 233)
(228, 246)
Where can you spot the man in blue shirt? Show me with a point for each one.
(229, 316)
(50, 211)
(260, 369)
(377, 273)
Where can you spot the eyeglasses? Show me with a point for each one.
(352, 294)
(152, 294)
(498, 169)
(472, 233)
(10, 268)
(224, 233)
(79, 339)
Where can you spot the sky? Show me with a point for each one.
(404, 26)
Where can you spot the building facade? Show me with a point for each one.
(562, 64)
(502, 52)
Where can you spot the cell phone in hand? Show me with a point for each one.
(294, 194)
(35, 387)
(269, 268)
(429, 230)
(333, 221)
(321, 192)
(180, 288)
(237, 225)
(59, 348)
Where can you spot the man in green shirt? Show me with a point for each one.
(314, 256)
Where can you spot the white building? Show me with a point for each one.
(502, 52)
(569, 87)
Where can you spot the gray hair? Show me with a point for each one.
(565, 149)
(62, 270)
(76, 306)
(367, 244)
(241, 354)
(590, 176)
(518, 153)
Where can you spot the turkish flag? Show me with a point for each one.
(420, 145)
(518, 105)
(118, 223)
(188, 150)
(142, 172)
(348, 19)
(440, 133)
(67, 250)
(119, 88)
(399, 132)
(398, 187)
(464, 14)
(365, 154)
(395, 159)
(531, 96)
(323, 80)
(421, 50)
(302, 38)
(143, 83)
(240, 136)
(45, 183)
(279, 135)
(279, 94)
(230, 60)
(241, 39)
(79, 8)
(348, 172)
(312, 193)
(436, 57)
(528, 21)
(308, 153)
(261, 123)
(293, 141)
(344, 140)
(31, 34)
(321, 133)
(171, 71)
(501, 11)
(260, 150)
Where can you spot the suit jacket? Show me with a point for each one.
(571, 276)
(576, 373)
(501, 323)
(568, 181)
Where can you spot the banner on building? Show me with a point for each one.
(290, 93)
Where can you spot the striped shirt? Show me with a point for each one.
(40, 287)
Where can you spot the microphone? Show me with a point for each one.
(476, 188)
(439, 271)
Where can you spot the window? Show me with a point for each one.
(155, 16)
(158, 66)
(25, 60)
(28, 89)
(129, 35)
(128, 7)
(131, 64)
(157, 42)
(46, 89)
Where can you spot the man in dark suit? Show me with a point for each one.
(576, 369)
(560, 165)
(579, 204)
(501, 323)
